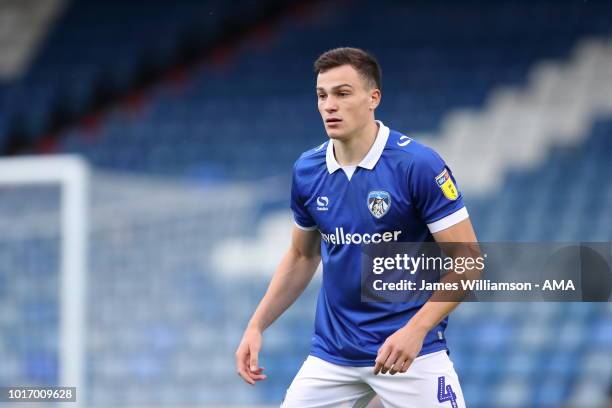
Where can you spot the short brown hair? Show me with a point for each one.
(363, 62)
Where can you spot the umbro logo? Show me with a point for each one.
(322, 203)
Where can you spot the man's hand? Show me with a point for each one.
(247, 355)
(399, 350)
(291, 277)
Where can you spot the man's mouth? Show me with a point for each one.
(333, 120)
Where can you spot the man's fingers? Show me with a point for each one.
(253, 370)
(251, 377)
(246, 377)
(242, 368)
(396, 365)
(247, 361)
(389, 363)
(378, 366)
(406, 365)
(254, 359)
(383, 354)
(242, 360)
(401, 364)
(258, 374)
(258, 377)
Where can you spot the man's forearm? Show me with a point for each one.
(292, 275)
(431, 314)
(443, 302)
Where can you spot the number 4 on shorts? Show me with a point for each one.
(445, 393)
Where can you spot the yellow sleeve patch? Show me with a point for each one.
(445, 182)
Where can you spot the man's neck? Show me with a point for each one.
(351, 152)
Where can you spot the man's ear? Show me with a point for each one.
(374, 99)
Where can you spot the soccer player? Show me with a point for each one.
(366, 185)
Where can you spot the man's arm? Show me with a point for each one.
(292, 275)
(403, 346)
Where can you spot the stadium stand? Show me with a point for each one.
(181, 260)
(436, 70)
(100, 50)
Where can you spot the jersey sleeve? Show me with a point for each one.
(301, 217)
(434, 191)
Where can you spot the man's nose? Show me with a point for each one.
(330, 105)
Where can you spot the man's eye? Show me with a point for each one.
(321, 96)
(343, 94)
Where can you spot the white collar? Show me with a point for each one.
(370, 159)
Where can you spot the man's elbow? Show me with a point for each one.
(302, 255)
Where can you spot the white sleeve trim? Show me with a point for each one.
(448, 221)
(314, 227)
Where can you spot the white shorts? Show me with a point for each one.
(431, 381)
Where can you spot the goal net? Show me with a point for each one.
(136, 288)
(43, 261)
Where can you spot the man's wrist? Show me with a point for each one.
(419, 326)
(255, 325)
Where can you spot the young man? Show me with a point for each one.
(366, 185)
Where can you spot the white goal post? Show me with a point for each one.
(71, 173)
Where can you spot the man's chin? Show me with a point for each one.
(336, 134)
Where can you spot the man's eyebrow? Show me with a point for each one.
(335, 87)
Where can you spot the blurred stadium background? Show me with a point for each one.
(190, 115)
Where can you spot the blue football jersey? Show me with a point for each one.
(402, 191)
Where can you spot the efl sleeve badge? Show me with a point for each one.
(445, 182)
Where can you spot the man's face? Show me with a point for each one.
(346, 101)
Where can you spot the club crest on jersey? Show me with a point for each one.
(379, 203)
(445, 182)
